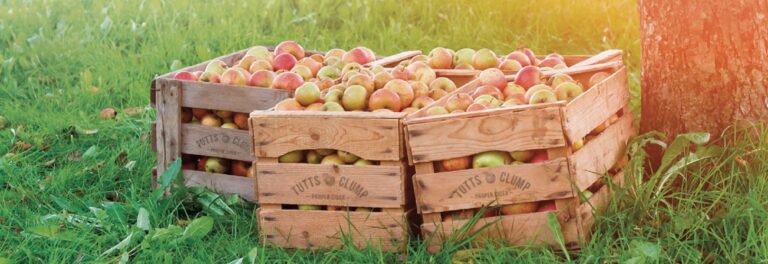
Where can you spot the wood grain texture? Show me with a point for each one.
(325, 229)
(517, 230)
(276, 133)
(602, 57)
(169, 122)
(475, 188)
(505, 129)
(596, 105)
(393, 60)
(342, 185)
(244, 99)
(597, 156)
(217, 142)
(222, 183)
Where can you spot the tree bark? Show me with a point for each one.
(704, 64)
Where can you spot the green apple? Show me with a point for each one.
(522, 156)
(491, 159)
(585, 195)
(347, 157)
(333, 95)
(216, 165)
(332, 107)
(332, 160)
(362, 162)
(325, 152)
(463, 56)
(313, 157)
(296, 156)
(354, 98)
(307, 93)
(229, 125)
(308, 207)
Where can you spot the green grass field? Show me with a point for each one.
(74, 188)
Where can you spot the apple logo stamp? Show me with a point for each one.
(328, 179)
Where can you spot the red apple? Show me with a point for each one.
(384, 99)
(420, 71)
(440, 58)
(289, 47)
(401, 72)
(289, 104)
(381, 79)
(520, 57)
(313, 65)
(529, 53)
(199, 113)
(550, 62)
(489, 90)
(241, 120)
(509, 65)
(493, 77)
(186, 115)
(540, 156)
(459, 101)
(454, 164)
(287, 81)
(403, 89)
(474, 107)
(529, 76)
(261, 78)
(284, 61)
(185, 75)
(359, 55)
(210, 77)
(239, 168)
(233, 76)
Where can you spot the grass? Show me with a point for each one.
(82, 184)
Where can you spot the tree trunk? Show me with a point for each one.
(704, 64)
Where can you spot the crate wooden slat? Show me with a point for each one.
(213, 141)
(601, 153)
(171, 138)
(386, 187)
(222, 183)
(317, 229)
(550, 127)
(278, 133)
(343, 185)
(466, 189)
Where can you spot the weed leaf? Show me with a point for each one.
(198, 228)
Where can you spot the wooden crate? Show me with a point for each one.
(461, 77)
(387, 186)
(172, 138)
(551, 127)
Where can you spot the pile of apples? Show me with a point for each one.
(328, 157)
(217, 165)
(469, 59)
(288, 67)
(376, 90)
(215, 118)
(493, 91)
